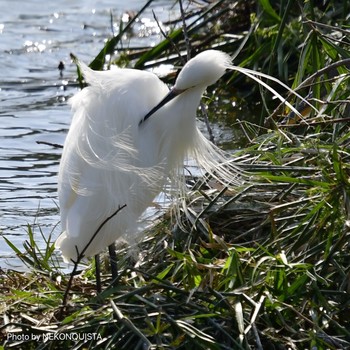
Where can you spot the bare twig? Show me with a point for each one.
(184, 29)
(310, 80)
(206, 120)
(167, 37)
(322, 122)
(80, 255)
(322, 71)
(55, 145)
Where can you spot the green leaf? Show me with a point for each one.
(163, 273)
(108, 49)
(333, 50)
(22, 256)
(269, 10)
(299, 180)
(298, 284)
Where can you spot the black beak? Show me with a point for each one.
(171, 95)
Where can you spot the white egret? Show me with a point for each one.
(128, 135)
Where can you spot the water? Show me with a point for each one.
(35, 35)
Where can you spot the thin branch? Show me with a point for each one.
(327, 26)
(206, 120)
(323, 122)
(184, 28)
(167, 37)
(310, 80)
(322, 71)
(54, 145)
(80, 255)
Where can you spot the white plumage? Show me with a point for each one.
(111, 158)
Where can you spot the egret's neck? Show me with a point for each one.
(186, 105)
(180, 129)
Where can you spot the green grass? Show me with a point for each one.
(264, 266)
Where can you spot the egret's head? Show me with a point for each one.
(201, 71)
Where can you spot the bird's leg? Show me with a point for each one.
(113, 261)
(98, 273)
